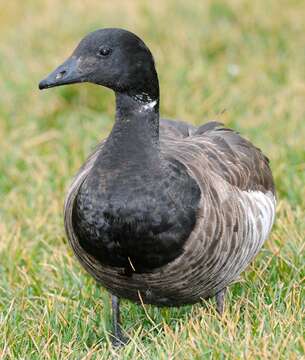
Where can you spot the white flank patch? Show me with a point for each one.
(263, 205)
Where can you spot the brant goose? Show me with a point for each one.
(161, 212)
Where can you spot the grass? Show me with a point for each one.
(240, 62)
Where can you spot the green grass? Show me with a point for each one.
(241, 62)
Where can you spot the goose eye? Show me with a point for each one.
(104, 51)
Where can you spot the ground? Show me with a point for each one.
(241, 62)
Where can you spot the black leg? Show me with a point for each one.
(117, 337)
(220, 298)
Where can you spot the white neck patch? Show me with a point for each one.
(149, 105)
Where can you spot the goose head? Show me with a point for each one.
(114, 58)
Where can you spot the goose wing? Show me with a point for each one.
(218, 151)
(237, 206)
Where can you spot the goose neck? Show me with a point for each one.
(137, 117)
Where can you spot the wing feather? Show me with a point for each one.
(216, 150)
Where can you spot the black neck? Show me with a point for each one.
(136, 119)
(135, 132)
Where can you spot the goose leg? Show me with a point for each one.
(117, 337)
(220, 298)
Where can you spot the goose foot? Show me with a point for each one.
(220, 298)
(117, 338)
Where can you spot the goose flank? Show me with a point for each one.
(162, 211)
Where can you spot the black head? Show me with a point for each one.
(114, 58)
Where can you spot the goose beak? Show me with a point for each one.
(67, 73)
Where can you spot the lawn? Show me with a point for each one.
(241, 62)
